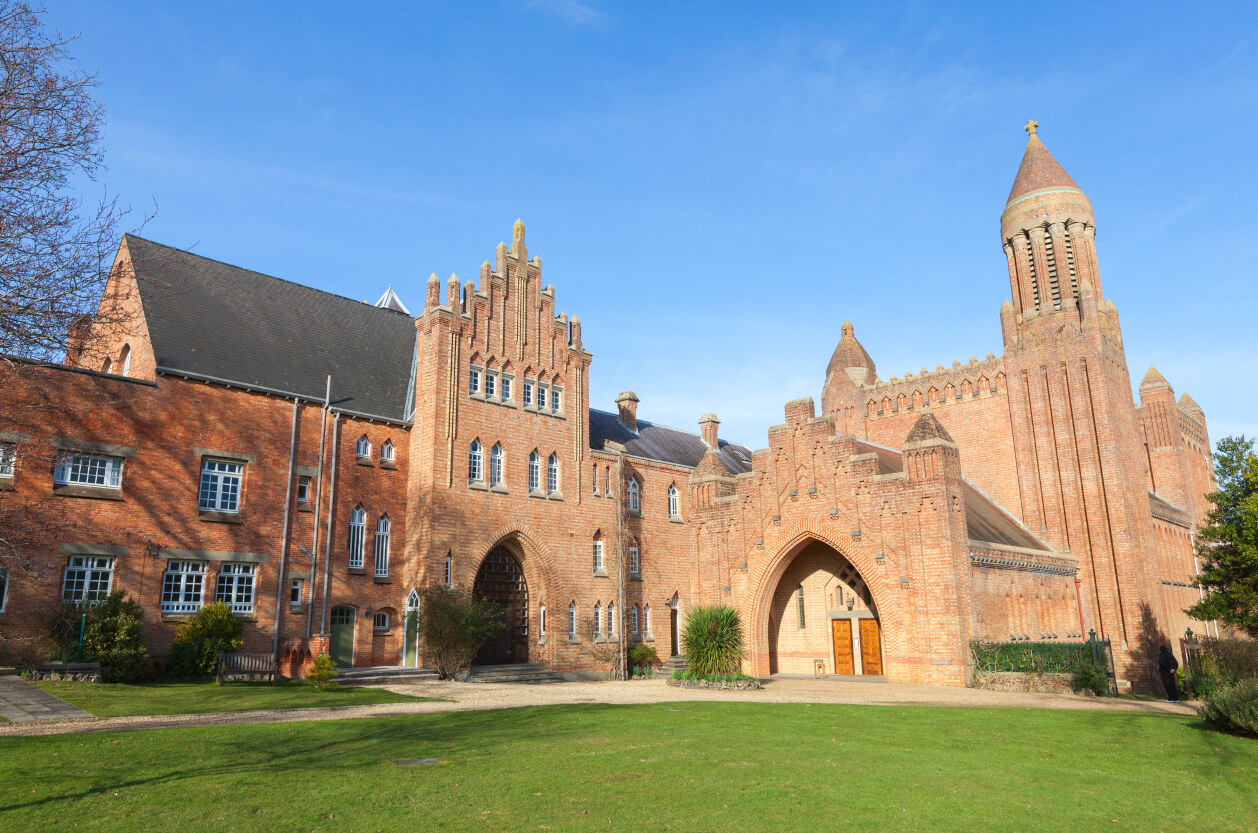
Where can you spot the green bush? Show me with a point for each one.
(640, 656)
(712, 640)
(1234, 707)
(711, 678)
(113, 639)
(200, 638)
(1088, 676)
(323, 674)
(64, 622)
(455, 626)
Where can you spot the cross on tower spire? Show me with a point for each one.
(1031, 124)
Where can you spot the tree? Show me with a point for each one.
(1228, 543)
(455, 626)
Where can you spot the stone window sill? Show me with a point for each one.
(296, 610)
(6, 484)
(600, 574)
(220, 517)
(574, 640)
(538, 493)
(94, 492)
(555, 496)
(388, 464)
(478, 485)
(635, 577)
(676, 519)
(305, 507)
(499, 489)
(383, 580)
(357, 571)
(364, 461)
(634, 513)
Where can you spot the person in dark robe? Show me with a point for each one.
(1167, 665)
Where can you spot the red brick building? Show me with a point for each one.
(313, 460)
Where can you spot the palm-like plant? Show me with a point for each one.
(712, 640)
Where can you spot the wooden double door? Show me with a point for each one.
(870, 646)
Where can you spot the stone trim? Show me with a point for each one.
(213, 555)
(306, 471)
(95, 492)
(14, 437)
(220, 517)
(101, 448)
(292, 574)
(234, 456)
(92, 549)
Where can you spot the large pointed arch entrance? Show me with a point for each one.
(501, 580)
(821, 609)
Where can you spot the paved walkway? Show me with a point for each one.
(21, 702)
(475, 696)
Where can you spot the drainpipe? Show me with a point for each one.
(314, 544)
(288, 505)
(620, 566)
(1079, 604)
(327, 546)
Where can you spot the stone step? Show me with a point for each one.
(674, 664)
(383, 675)
(522, 672)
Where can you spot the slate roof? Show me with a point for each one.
(984, 520)
(659, 442)
(213, 319)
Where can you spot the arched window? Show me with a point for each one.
(635, 496)
(449, 565)
(594, 485)
(357, 536)
(475, 461)
(386, 452)
(633, 619)
(646, 618)
(124, 359)
(412, 601)
(598, 619)
(107, 366)
(572, 618)
(495, 465)
(382, 546)
(535, 471)
(611, 619)
(635, 565)
(801, 606)
(541, 619)
(598, 554)
(363, 448)
(380, 621)
(552, 474)
(674, 505)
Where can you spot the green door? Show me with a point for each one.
(343, 636)
(410, 634)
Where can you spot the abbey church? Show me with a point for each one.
(313, 461)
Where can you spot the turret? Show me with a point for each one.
(850, 367)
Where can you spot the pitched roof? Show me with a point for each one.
(851, 353)
(212, 319)
(659, 442)
(1039, 171)
(1154, 381)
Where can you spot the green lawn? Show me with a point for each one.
(686, 767)
(118, 700)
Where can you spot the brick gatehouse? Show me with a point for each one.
(312, 460)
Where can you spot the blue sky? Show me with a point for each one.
(712, 188)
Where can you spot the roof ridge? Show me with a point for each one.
(305, 286)
(669, 427)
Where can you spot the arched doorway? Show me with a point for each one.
(822, 609)
(410, 632)
(674, 626)
(501, 579)
(341, 644)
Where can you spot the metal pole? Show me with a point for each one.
(288, 505)
(82, 633)
(314, 544)
(620, 567)
(327, 545)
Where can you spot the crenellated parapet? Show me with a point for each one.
(940, 387)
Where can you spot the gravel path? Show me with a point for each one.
(475, 696)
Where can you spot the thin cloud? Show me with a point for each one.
(572, 12)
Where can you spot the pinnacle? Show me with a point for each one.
(1154, 381)
(1039, 170)
(928, 427)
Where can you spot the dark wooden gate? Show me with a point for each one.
(501, 580)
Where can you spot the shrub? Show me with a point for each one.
(200, 638)
(711, 678)
(323, 674)
(640, 656)
(1234, 707)
(64, 623)
(1088, 676)
(712, 640)
(455, 626)
(113, 639)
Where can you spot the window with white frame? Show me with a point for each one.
(541, 619)
(382, 546)
(182, 584)
(475, 461)
(610, 630)
(607, 481)
(598, 619)
(594, 480)
(295, 591)
(598, 555)
(303, 489)
(220, 486)
(88, 579)
(552, 474)
(674, 503)
(646, 618)
(633, 619)
(556, 395)
(8, 454)
(572, 618)
(490, 384)
(235, 586)
(357, 537)
(495, 465)
(88, 470)
(363, 448)
(634, 566)
(535, 471)
(506, 388)
(386, 452)
(541, 397)
(380, 622)
(473, 381)
(448, 570)
(125, 358)
(528, 392)
(4, 588)
(635, 496)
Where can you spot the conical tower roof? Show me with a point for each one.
(850, 353)
(928, 427)
(1039, 171)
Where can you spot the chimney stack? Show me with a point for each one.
(628, 404)
(707, 428)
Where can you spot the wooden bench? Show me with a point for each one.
(249, 666)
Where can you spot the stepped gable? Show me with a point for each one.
(1039, 171)
(213, 319)
(928, 427)
(668, 445)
